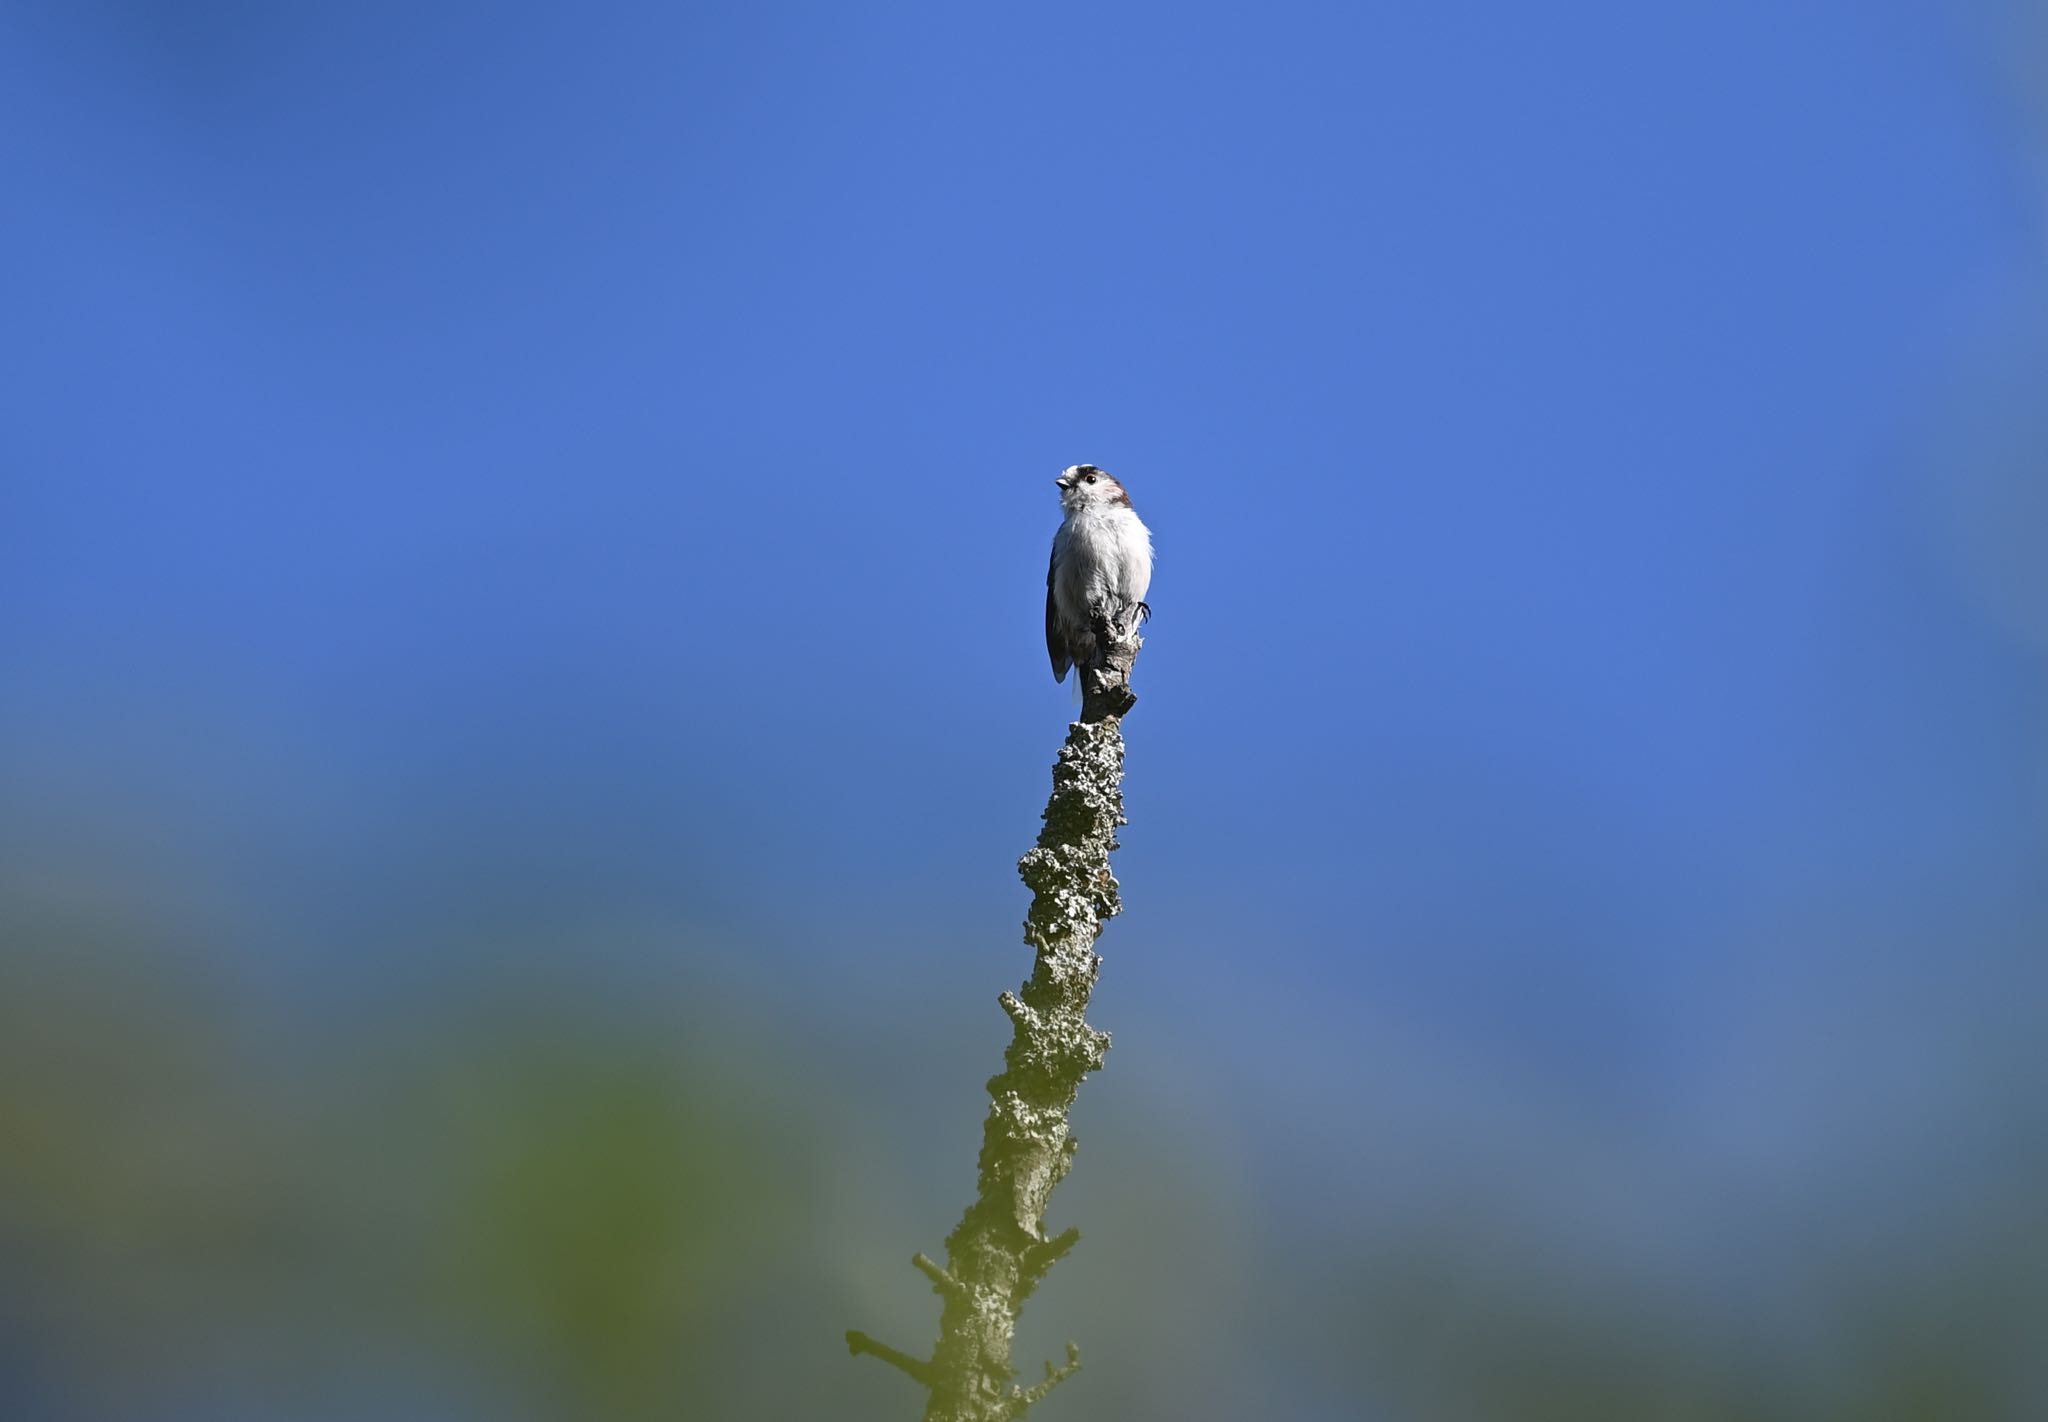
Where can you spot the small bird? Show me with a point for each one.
(1101, 567)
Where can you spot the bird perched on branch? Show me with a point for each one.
(1101, 567)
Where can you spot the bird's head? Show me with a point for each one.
(1084, 486)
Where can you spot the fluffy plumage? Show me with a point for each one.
(1101, 565)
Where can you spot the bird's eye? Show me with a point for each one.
(1088, 478)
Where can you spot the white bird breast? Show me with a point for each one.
(1103, 558)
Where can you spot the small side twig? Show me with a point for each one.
(1021, 1399)
(943, 1284)
(919, 1370)
(1039, 1258)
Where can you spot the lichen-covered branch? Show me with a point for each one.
(999, 1252)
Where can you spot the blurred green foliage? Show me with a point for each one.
(647, 1204)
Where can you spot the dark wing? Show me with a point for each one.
(1055, 642)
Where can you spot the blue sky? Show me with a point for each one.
(525, 462)
(1519, 397)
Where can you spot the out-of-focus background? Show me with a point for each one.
(521, 534)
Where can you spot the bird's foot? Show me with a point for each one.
(1133, 617)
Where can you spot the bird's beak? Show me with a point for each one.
(1064, 482)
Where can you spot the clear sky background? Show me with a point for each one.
(532, 499)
